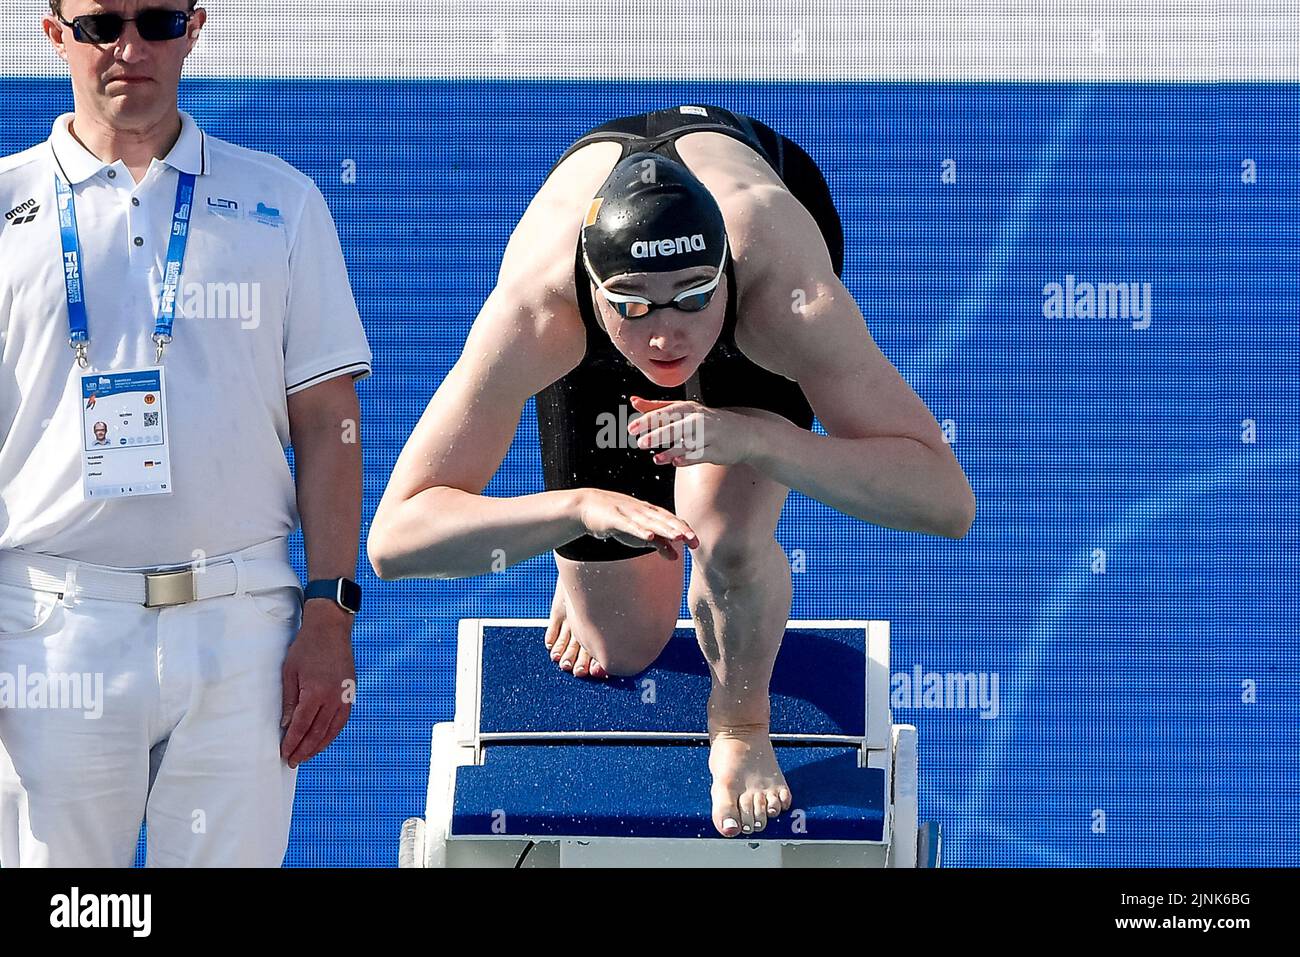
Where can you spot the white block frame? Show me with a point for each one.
(891, 748)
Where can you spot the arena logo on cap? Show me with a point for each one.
(641, 249)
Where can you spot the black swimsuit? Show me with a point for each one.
(582, 418)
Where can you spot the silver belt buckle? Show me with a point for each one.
(169, 588)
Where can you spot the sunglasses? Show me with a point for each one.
(155, 25)
(695, 299)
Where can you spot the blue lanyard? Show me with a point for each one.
(78, 328)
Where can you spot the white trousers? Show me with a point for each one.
(111, 712)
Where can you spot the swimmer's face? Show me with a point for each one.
(666, 333)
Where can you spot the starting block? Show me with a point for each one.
(539, 768)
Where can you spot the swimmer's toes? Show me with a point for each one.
(746, 804)
(759, 801)
(726, 813)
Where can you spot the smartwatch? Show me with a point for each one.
(344, 592)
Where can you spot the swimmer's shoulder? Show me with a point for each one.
(751, 196)
(535, 299)
(780, 264)
(539, 257)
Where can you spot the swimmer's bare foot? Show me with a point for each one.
(748, 786)
(563, 647)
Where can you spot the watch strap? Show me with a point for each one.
(344, 592)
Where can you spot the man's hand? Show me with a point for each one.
(687, 433)
(319, 681)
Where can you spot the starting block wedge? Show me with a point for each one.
(538, 768)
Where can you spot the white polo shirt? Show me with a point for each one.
(264, 310)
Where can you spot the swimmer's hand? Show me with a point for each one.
(682, 432)
(606, 514)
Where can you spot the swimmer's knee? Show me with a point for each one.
(631, 657)
(624, 662)
(628, 648)
(734, 556)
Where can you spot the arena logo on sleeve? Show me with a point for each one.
(22, 213)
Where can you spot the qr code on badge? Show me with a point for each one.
(150, 419)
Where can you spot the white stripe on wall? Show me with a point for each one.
(1075, 40)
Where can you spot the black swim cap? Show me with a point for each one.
(651, 215)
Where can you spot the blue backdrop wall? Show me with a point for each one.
(1130, 578)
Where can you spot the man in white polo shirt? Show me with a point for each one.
(187, 299)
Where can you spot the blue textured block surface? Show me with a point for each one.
(818, 687)
(605, 790)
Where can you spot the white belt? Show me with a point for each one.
(252, 569)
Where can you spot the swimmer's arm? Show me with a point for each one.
(894, 481)
(446, 532)
(884, 459)
(432, 522)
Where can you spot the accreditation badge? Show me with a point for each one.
(124, 434)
